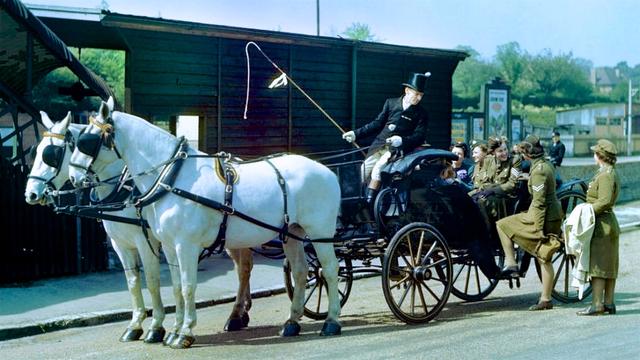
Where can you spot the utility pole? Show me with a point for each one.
(317, 17)
(632, 92)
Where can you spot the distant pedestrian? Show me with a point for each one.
(603, 261)
(556, 153)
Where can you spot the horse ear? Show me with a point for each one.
(66, 121)
(110, 103)
(45, 120)
(105, 111)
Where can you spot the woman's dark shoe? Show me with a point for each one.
(509, 272)
(591, 311)
(542, 305)
(610, 309)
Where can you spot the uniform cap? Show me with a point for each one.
(531, 147)
(604, 145)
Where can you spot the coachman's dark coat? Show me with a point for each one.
(410, 124)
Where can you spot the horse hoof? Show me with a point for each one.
(245, 319)
(183, 342)
(290, 328)
(169, 339)
(331, 328)
(154, 336)
(234, 324)
(131, 335)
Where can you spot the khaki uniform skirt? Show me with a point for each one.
(519, 228)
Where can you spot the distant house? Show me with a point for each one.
(604, 79)
(600, 120)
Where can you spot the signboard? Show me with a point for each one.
(459, 130)
(497, 112)
(478, 128)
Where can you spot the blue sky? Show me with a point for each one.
(603, 31)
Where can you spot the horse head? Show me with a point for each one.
(50, 164)
(87, 157)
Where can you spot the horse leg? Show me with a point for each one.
(129, 260)
(174, 269)
(330, 267)
(151, 264)
(188, 261)
(294, 251)
(239, 317)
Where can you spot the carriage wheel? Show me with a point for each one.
(316, 302)
(469, 282)
(563, 264)
(416, 273)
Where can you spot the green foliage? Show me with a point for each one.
(469, 78)
(362, 32)
(108, 64)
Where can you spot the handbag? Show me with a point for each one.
(546, 247)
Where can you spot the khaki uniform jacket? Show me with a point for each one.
(501, 176)
(602, 194)
(544, 215)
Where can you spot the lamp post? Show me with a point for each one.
(632, 92)
(317, 17)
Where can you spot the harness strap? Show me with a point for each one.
(230, 177)
(144, 230)
(283, 188)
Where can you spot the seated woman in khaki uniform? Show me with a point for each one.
(603, 260)
(496, 182)
(543, 217)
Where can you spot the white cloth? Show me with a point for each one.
(577, 231)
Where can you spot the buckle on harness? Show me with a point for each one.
(286, 218)
(228, 189)
(181, 155)
(227, 212)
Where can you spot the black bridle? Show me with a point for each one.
(90, 144)
(53, 155)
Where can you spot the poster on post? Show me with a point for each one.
(458, 130)
(497, 114)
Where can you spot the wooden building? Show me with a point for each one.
(176, 68)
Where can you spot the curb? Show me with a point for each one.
(630, 226)
(99, 318)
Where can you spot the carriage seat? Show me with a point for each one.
(405, 165)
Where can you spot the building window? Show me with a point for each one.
(615, 121)
(601, 121)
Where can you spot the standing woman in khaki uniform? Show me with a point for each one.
(544, 217)
(603, 261)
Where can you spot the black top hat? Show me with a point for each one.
(417, 81)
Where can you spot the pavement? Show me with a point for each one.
(98, 298)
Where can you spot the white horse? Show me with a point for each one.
(128, 240)
(184, 227)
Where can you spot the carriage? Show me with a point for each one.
(419, 266)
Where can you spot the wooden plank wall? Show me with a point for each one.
(36, 242)
(175, 74)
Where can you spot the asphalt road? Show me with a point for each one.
(498, 327)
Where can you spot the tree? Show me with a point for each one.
(513, 64)
(469, 77)
(362, 32)
(560, 80)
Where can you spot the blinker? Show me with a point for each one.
(89, 144)
(52, 155)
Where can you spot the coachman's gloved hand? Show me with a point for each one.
(349, 136)
(395, 141)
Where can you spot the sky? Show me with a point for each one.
(605, 32)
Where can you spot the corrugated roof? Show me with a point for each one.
(49, 52)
